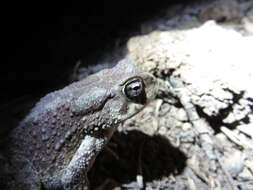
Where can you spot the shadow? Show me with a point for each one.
(132, 154)
(52, 43)
(42, 55)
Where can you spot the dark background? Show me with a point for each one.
(43, 41)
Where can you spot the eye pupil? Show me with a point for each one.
(137, 87)
(135, 90)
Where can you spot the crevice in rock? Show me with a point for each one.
(216, 121)
(134, 154)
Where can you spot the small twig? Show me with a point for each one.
(199, 175)
(191, 183)
(234, 138)
(228, 176)
(158, 106)
(139, 177)
(249, 166)
(112, 152)
(73, 76)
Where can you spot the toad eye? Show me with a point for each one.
(134, 89)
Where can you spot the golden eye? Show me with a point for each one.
(134, 90)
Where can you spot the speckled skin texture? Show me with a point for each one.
(56, 144)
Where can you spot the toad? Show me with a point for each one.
(56, 144)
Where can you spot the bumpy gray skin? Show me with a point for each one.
(56, 144)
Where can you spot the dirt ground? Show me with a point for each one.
(198, 133)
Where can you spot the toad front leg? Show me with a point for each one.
(74, 177)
